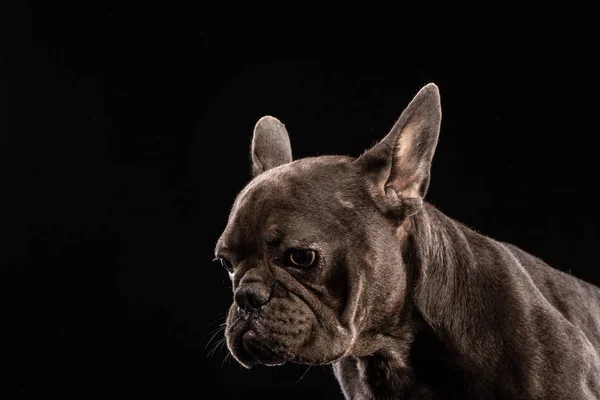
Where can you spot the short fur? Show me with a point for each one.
(403, 301)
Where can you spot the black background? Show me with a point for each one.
(126, 129)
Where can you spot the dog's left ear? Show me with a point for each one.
(400, 164)
(270, 145)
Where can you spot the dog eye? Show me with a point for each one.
(226, 264)
(301, 258)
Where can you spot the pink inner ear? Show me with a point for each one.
(407, 168)
(407, 183)
(409, 146)
(406, 141)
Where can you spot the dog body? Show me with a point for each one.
(493, 323)
(338, 260)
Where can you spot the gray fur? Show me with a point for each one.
(403, 302)
(270, 145)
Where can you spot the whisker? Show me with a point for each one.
(302, 376)
(218, 344)
(218, 330)
(226, 358)
(216, 320)
(221, 326)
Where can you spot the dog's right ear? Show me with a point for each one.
(270, 145)
(398, 167)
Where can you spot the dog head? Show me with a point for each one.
(313, 247)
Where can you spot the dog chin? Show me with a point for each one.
(250, 349)
(259, 351)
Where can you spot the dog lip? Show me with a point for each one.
(249, 335)
(258, 351)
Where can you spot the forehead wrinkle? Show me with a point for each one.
(248, 216)
(281, 185)
(247, 205)
(274, 234)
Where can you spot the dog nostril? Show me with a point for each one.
(252, 297)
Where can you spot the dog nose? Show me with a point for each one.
(253, 296)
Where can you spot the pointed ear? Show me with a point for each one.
(400, 164)
(270, 145)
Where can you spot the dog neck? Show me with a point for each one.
(432, 340)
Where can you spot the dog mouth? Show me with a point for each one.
(259, 338)
(282, 331)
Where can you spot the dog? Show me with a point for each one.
(339, 260)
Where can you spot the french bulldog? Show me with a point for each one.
(339, 260)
